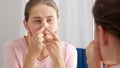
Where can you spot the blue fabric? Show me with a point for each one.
(81, 62)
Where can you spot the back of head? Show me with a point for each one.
(107, 14)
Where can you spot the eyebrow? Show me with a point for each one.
(45, 17)
(37, 17)
(49, 17)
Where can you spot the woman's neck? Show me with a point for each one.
(115, 45)
(117, 51)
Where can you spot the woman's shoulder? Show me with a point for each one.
(68, 45)
(68, 48)
(69, 51)
(14, 42)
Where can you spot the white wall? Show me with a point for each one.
(76, 21)
(10, 19)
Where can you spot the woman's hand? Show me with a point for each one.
(93, 56)
(35, 43)
(53, 46)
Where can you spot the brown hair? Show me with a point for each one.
(107, 14)
(31, 3)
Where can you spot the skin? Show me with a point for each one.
(42, 38)
(104, 49)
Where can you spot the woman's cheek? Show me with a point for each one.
(33, 30)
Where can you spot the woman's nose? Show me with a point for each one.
(45, 32)
(45, 24)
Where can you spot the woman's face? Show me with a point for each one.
(42, 16)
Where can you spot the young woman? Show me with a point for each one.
(105, 49)
(41, 48)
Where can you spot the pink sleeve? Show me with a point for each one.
(71, 61)
(10, 59)
(116, 66)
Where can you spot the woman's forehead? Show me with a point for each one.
(42, 10)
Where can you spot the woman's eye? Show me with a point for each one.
(37, 21)
(50, 20)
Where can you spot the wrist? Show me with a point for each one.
(59, 63)
(29, 62)
(31, 57)
(58, 59)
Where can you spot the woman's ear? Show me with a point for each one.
(103, 36)
(25, 24)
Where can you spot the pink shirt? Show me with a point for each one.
(116, 66)
(16, 50)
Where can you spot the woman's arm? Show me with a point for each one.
(59, 63)
(93, 56)
(35, 44)
(53, 45)
(29, 61)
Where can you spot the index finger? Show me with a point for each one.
(40, 30)
(29, 32)
(55, 36)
